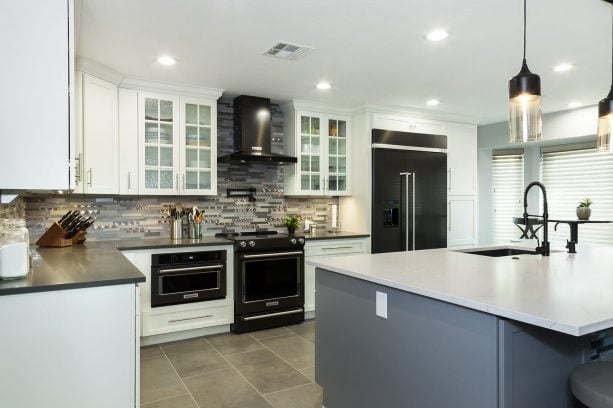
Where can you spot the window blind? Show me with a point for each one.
(572, 175)
(507, 191)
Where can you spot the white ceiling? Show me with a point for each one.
(371, 51)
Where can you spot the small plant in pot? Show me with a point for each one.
(292, 222)
(583, 209)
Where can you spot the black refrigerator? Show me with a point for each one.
(409, 202)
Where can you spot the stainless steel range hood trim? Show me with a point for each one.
(242, 158)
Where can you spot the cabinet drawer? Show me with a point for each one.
(334, 248)
(186, 320)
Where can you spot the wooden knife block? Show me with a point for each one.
(55, 237)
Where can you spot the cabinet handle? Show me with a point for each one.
(91, 177)
(177, 181)
(77, 172)
(184, 185)
(129, 181)
(449, 179)
(190, 318)
(330, 249)
(449, 216)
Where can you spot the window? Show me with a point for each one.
(570, 174)
(507, 190)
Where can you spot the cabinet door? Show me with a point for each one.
(198, 147)
(461, 159)
(309, 288)
(100, 136)
(402, 123)
(461, 221)
(128, 141)
(158, 142)
(35, 145)
(338, 158)
(310, 166)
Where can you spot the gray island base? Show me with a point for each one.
(433, 354)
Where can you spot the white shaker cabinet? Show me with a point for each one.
(98, 141)
(322, 144)
(128, 142)
(461, 211)
(36, 98)
(461, 159)
(402, 123)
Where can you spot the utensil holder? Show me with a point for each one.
(55, 237)
(176, 230)
(194, 230)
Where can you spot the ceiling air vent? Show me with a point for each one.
(287, 51)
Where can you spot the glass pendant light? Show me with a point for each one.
(605, 116)
(525, 121)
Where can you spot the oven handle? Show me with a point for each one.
(273, 315)
(193, 268)
(255, 256)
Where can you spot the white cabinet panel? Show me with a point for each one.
(461, 159)
(402, 123)
(128, 141)
(36, 140)
(69, 348)
(461, 221)
(100, 143)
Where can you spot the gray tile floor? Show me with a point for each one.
(270, 368)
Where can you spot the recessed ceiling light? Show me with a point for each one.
(433, 102)
(574, 104)
(323, 85)
(437, 35)
(167, 60)
(563, 67)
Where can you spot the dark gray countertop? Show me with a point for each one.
(80, 266)
(334, 235)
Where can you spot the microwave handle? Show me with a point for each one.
(193, 268)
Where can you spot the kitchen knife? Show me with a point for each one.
(64, 217)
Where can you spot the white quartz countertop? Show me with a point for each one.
(568, 293)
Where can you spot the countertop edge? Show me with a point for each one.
(69, 286)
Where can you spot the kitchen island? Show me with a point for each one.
(458, 329)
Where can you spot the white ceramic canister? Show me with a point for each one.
(14, 250)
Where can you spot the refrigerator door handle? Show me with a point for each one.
(407, 174)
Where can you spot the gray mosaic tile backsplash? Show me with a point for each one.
(123, 217)
(15, 209)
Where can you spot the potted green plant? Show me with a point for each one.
(291, 222)
(583, 209)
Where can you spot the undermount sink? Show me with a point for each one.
(497, 252)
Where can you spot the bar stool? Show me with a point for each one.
(592, 384)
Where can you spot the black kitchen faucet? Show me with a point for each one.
(544, 248)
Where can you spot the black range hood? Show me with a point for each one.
(252, 133)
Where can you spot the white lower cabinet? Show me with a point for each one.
(461, 228)
(70, 348)
(317, 248)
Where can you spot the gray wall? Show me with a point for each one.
(558, 128)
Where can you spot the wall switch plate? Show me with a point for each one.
(381, 302)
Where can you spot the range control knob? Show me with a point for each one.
(293, 241)
(251, 244)
(243, 244)
(301, 240)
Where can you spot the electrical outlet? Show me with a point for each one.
(381, 302)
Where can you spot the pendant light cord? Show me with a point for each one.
(525, 30)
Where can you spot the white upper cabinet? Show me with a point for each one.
(198, 146)
(128, 142)
(158, 144)
(36, 99)
(461, 159)
(177, 145)
(98, 156)
(401, 123)
(322, 144)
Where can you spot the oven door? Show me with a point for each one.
(185, 284)
(270, 281)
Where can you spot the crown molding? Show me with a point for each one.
(368, 108)
(312, 106)
(162, 87)
(98, 70)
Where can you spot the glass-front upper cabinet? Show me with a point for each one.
(158, 160)
(321, 143)
(198, 146)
